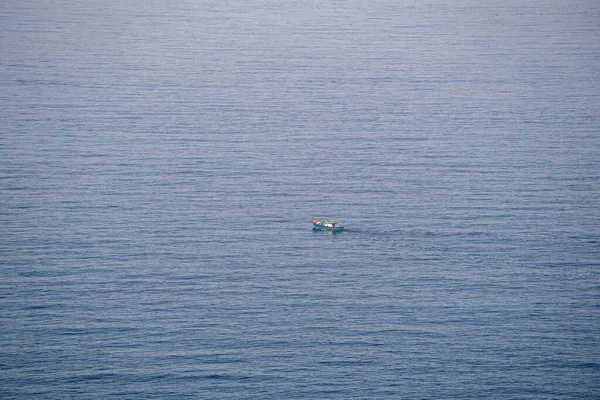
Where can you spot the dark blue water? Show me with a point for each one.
(160, 163)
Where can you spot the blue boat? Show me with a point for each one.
(332, 225)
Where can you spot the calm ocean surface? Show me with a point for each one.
(160, 163)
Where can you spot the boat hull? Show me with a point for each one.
(326, 228)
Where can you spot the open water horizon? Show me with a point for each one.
(160, 164)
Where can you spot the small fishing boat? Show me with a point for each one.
(332, 225)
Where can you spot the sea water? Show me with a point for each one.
(160, 164)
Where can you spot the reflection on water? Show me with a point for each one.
(328, 232)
